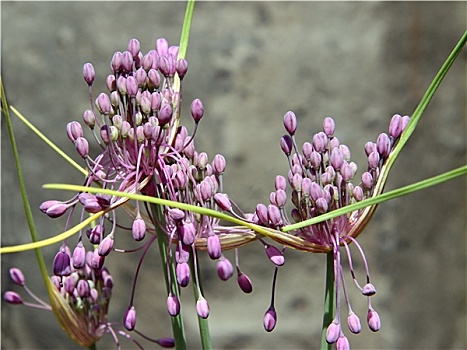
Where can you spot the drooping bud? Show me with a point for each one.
(223, 201)
(354, 324)
(202, 307)
(88, 73)
(61, 263)
(97, 260)
(56, 210)
(188, 233)
(173, 305)
(368, 290)
(244, 282)
(270, 319)
(275, 255)
(138, 229)
(332, 333)
(224, 269)
(183, 274)
(166, 342)
(106, 245)
(12, 298)
(374, 322)
(17, 276)
(129, 321)
(343, 343)
(214, 247)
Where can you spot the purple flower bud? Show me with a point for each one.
(244, 282)
(12, 298)
(166, 342)
(83, 288)
(270, 319)
(103, 103)
(383, 145)
(346, 172)
(188, 233)
(354, 323)
(61, 263)
(334, 143)
(106, 245)
(275, 255)
(89, 118)
(197, 110)
(336, 159)
(165, 114)
(183, 274)
(358, 193)
(127, 61)
(214, 247)
(129, 321)
(280, 183)
(56, 210)
(176, 214)
(69, 284)
(329, 126)
(97, 260)
(320, 141)
(281, 197)
(332, 333)
(286, 144)
(95, 234)
(224, 269)
(223, 201)
(373, 160)
(173, 50)
(88, 73)
(116, 62)
(131, 86)
(262, 213)
(134, 47)
(17, 276)
(218, 164)
(290, 122)
(367, 180)
(173, 305)
(321, 205)
(274, 215)
(111, 83)
(141, 77)
(395, 126)
(343, 343)
(162, 47)
(47, 204)
(121, 85)
(56, 281)
(405, 120)
(74, 130)
(82, 146)
(368, 290)
(202, 308)
(164, 65)
(138, 229)
(345, 151)
(182, 68)
(374, 322)
(146, 62)
(154, 78)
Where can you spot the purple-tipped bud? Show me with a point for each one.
(270, 319)
(307, 149)
(83, 288)
(12, 298)
(321, 205)
(275, 255)
(182, 68)
(290, 122)
(383, 145)
(223, 201)
(343, 343)
(336, 159)
(127, 61)
(121, 85)
(138, 229)
(146, 62)
(332, 333)
(166, 342)
(162, 47)
(97, 261)
(56, 210)
(17, 276)
(369, 147)
(62, 263)
(373, 160)
(262, 213)
(274, 215)
(202, 308)
(95, 234)
(176, 214)
(354, 323)
(82, 147)
(74, 130)
(105, 246)
(154, 78)
(286, 144)
(183, 274)
(165, 114)
(367, 180)
(280, 183)
(69, 284)
(218, 164)
(188, 233)
(224, 269)
(329, 126)
(89, 118)
(141, 77)
(368, 290)
(197, 110)
(47, 204)
(405, 120)
(358, 193)
(131, 86)
(134, 47)
(88, 73)
(244, 282)
(129, 321)
(111, 82)
(103, 103)
(281, 197)
(346, 172)
(173, 305)
(214, 247)
(116, 62)
(395, 126)
(320, 141)
(374, 322)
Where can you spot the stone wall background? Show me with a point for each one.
(250, 62)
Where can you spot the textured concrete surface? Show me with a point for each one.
(250, 62)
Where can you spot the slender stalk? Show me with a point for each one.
(329, 299)
(203, 323)
(163, 242)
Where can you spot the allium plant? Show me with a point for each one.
(138, 150)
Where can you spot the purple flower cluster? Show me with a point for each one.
(320, 176)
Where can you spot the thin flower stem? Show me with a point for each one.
(203, 323)
(329, 299)
(177, 321)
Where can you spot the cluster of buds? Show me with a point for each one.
(320, 176)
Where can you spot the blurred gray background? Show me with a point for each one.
(250, 62)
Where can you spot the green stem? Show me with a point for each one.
(329, 299)
(24, 196)
(163, 242)
(203, 323)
